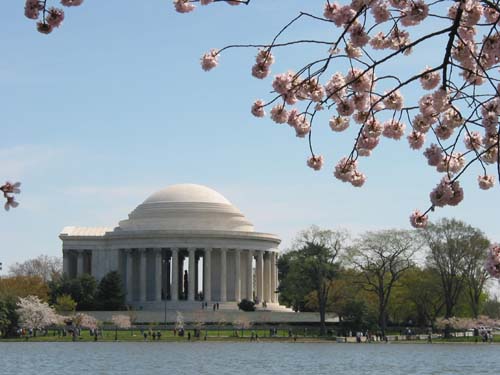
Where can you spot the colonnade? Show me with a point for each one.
(156, 274)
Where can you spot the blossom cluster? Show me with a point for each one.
(49, 18)
(121, 321)
(492, 264)
(458, 109)
(186, 6)
(8, 190)
(36, 314)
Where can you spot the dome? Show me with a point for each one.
(187, 193)
(186, 207)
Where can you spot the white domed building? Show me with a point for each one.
(185, 243)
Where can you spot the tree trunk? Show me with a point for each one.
(322, 324)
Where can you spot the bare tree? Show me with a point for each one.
(44, 266)
(457, 252)
(382, 258)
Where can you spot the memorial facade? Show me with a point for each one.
(184, 244)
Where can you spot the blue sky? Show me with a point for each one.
(114, 106)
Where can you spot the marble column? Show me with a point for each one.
(260, 276)
(158, 275)
(174, 290)
(273, 277)
(223, 275)
(130, 282)
(267, 277)
(207, 273)
(79, 263)
(142, 275)
(66, 262)
(237, 276)
(191, 274)
(249, 275)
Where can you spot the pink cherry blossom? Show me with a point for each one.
(315, 162)
(393, 129)
(473, 141)
(416, 140)
(430, 80)
(442, 193)
(258, 108)
(183, 6)
(209, 60)
(302, 126)
(486, 181)
(32, 9)
(451, 163)
(71, 3)
(279, 114)
(434, 154)
(338, 123)
(206, 2)
(55, 17)
(44, 28)
(415, 12)
(357, 179)
(458, 194)
(344, 169)
(418, 220)
(10, 203)
(282, 83)
(394, 101)
(492, 263)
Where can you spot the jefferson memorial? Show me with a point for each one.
(185, 244)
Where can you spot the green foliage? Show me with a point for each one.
(307, 271)
(246, 305)
(81, 289)
(65, 304)
(8, 316)
(110, 294)
(457, 252)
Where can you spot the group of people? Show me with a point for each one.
(155, 335)
(215, 306)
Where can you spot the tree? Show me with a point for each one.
(459, 100)
(456, 251)
(382, 258)
(8, 316)
(82, 289)
(110, 294)
(456, 86)
(48, 268)
(65, 304)
(424, 294)
(23, 286)
(312, 267)
(36, 314)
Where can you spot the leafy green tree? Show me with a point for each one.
(82, 289)
(457, 252)
(88, 286)
(311, 267)
(65, 304)
(110, 294)
(423, 293)
(8, 316)
(382, 258)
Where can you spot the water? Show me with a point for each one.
(247, 358)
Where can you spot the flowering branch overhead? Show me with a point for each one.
(456, 114)
(9, 189)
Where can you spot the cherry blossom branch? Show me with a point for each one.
(9, 189)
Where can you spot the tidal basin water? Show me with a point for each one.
(247, 358)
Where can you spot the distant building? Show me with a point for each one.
(181, 222)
